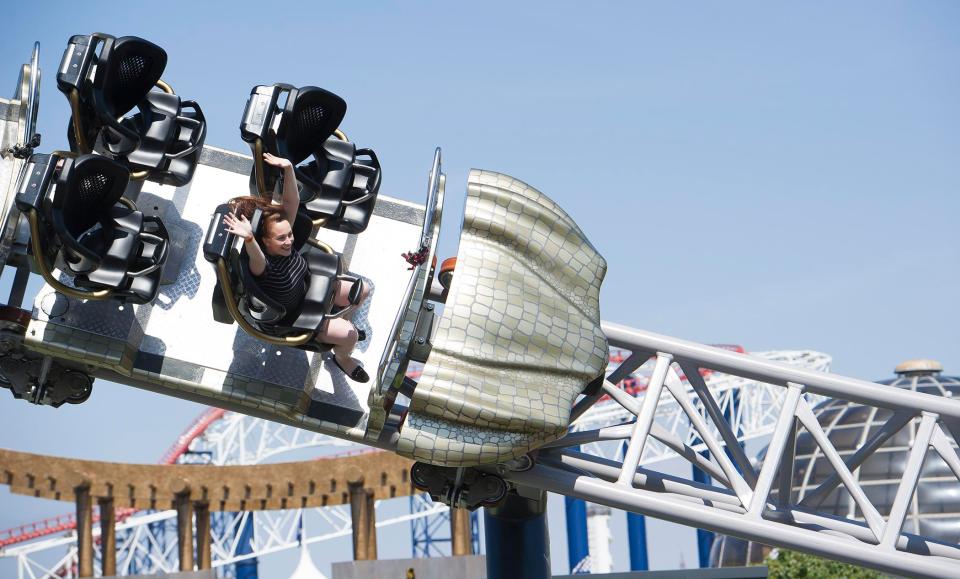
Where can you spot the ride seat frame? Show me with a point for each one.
(238, 296)
(81, 224)
(104, 78)
(338, 188)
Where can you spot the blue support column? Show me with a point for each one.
(704, 538)
(517, 540)
(637, 534)
(475, 531)
(578, 548)
(246, 569)
(636, 528)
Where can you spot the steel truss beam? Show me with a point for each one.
(746, 504)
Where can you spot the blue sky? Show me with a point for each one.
(777, 175)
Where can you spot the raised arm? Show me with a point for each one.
(241, 227)
(291, 195)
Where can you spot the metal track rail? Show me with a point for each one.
(753, 501)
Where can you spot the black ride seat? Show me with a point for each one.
(258, 313)
(339, 186)
(91, 233)
(105, 78)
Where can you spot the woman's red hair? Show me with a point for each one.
(247, 204)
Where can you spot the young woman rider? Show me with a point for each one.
(282, 272)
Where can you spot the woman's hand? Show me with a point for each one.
(278, 162)
(238, 226)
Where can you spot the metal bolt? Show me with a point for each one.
(420, 340)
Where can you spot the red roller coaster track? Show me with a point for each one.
(68, 522)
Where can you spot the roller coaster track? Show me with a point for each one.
(752, 500)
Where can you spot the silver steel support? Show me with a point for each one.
(764, 531)
(775, 451)
(908, 484)
(870, 513)
(892, 426)
(822, 383)
(19, 287)
(634, 361)
(729, 437)
(644, 419)
(33, 97)
(737, 483)
(946, 450)
(628, 366)
(684, 490)
(744, 508)
(785, 484)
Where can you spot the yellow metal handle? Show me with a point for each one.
(320, 245)
(129, 204)
(39, 258)
(82, 144)
(258, 169)
(223, 277)
(165, 87)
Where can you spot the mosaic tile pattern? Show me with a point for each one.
(519, 337)
(83, 348)
(11, 127)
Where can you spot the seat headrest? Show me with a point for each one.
(87, 188)
(129, 67)
(310, 116)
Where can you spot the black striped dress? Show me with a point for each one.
(285, 280)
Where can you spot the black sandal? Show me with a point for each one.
(358, 374)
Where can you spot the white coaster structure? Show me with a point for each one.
(217, 437)
(741, 505)
(749, 406)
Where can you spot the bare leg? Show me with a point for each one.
(343, 335)
(342, 298)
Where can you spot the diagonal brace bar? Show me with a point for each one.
(644, 419)
(908, 484)
(737, 484)
(699, 385)
(870, 513)
(892, 426)
(775, 450)
(946, 450)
